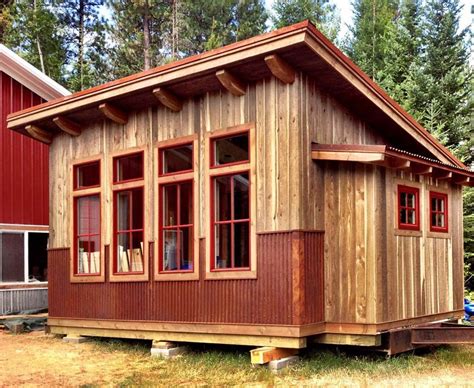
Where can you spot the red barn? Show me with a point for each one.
(23, 188)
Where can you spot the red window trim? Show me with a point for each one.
(178, 226)
(129, 231)
(115, 172)
(213, 139)
(177, 145)
(416, 192)
(76, 236)
(444, 197)
(232, 222)
(74, 175)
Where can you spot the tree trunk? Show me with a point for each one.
(146, 35)
(38, 44)
(81, 43)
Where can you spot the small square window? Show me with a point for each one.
(176, 159)
(408, 208)
(87, 175)
(438, 212)
(231, 149)
(128, 167)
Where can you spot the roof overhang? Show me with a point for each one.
(386, 156)
(301, 46)
(29, 76)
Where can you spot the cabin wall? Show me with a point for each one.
(373, 275)
(289, 261)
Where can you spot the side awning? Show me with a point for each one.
(383, 155)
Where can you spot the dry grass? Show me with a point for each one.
(36, 359)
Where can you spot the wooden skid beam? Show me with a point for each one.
(280, 69)
(231, 83)
(349, 339)
(207, 338)
(39, 134)
(67, 126)
(267, 353)
(168, 99)
(113, 113)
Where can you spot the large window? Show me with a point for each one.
(129, 223)
(438, 212)
(408, 207)
(177, 248)
(232, 238)
(87, 261)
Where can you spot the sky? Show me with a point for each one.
(345, 10)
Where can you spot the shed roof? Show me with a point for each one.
(29, 76)
(301, 45)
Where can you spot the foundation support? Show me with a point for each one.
(276, 358)
(76, 339)
(166, 349)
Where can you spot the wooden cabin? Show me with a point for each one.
(264, 193)
(23, 189)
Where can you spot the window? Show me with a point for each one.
(87, 175)
(86, 241)
(231, 248)
(231, 222)
(177, 247)
(438, 212)
(408, 208)
(129, 218)
(229, 150)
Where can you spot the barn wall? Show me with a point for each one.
(23, 162)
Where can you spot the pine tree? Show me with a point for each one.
(370, 33)
(322, 13)
(85, 42)
(32, 30)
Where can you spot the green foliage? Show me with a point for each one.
(321, 13)
(468, 198)
(372, 27)
(32, 29)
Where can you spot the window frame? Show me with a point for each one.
(443, 196)
(214, 171)
(164, 179)
(80, 193)
(121, 186)
(224, 135)
(401, 188)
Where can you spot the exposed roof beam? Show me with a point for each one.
(231, 83)
(461, 180)
(68, 126)
(398, 163)
(280, 69)
(39, 134)
(113, 113)
(421, 169)
(442, 174)
(168, 99)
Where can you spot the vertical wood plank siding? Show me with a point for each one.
(23, 162)
(265, 300)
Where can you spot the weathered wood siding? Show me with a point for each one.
(371, 274)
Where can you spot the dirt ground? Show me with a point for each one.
(36, 359)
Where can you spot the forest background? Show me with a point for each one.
(415, 49)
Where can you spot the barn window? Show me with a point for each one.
(231, 222)
(87, 234)
(177, 159)
(438, 212)
(87, 175)
(408, 208)
(128, 167)
(229, 150)
(128, 204)
(86, 225)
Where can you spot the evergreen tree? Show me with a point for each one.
(321, 13)
(369, 41)
(85, 42)
(5, 19)
(32, 30)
